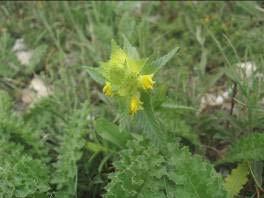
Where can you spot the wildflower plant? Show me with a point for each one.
(127, 77)
(124, 77)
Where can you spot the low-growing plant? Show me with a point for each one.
(126, 125)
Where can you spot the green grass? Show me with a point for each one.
(69, 36)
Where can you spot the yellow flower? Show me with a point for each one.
(135, 105)
(146, 81)
(107, 89)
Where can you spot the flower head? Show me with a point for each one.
(124, 72)
(146, 81)
(108, 89)
(135, 105)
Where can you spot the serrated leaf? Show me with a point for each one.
(20, 174)
(144, 171)
(247, 148)
(70, 152)
(237, 179)
(110, 132)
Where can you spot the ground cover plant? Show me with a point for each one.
(131, 99)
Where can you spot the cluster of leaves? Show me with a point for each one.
(145, 171)
(72, 141)
(22, 173)
(27, 156)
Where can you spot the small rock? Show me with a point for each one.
(22, 53)
(19, 45)
(24, 57)
(39, 86)
(27, 96)
(217, 98)
(247, 68)
(36, 90)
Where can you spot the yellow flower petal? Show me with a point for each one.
(146, 81)
(135, 105)
(107, 89)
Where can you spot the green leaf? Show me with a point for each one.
(70, 152)
(129, 49)
(257, 172)
(145, 172)
(237, 179)
(247, 148)
(95, 147)
(11, 125)
(156, 65)
(110, 132)
(171, 106)
(95, 74)
(150, 124)
(20, 174)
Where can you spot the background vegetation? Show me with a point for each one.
(61, 137)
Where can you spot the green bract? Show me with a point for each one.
(122, 72)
